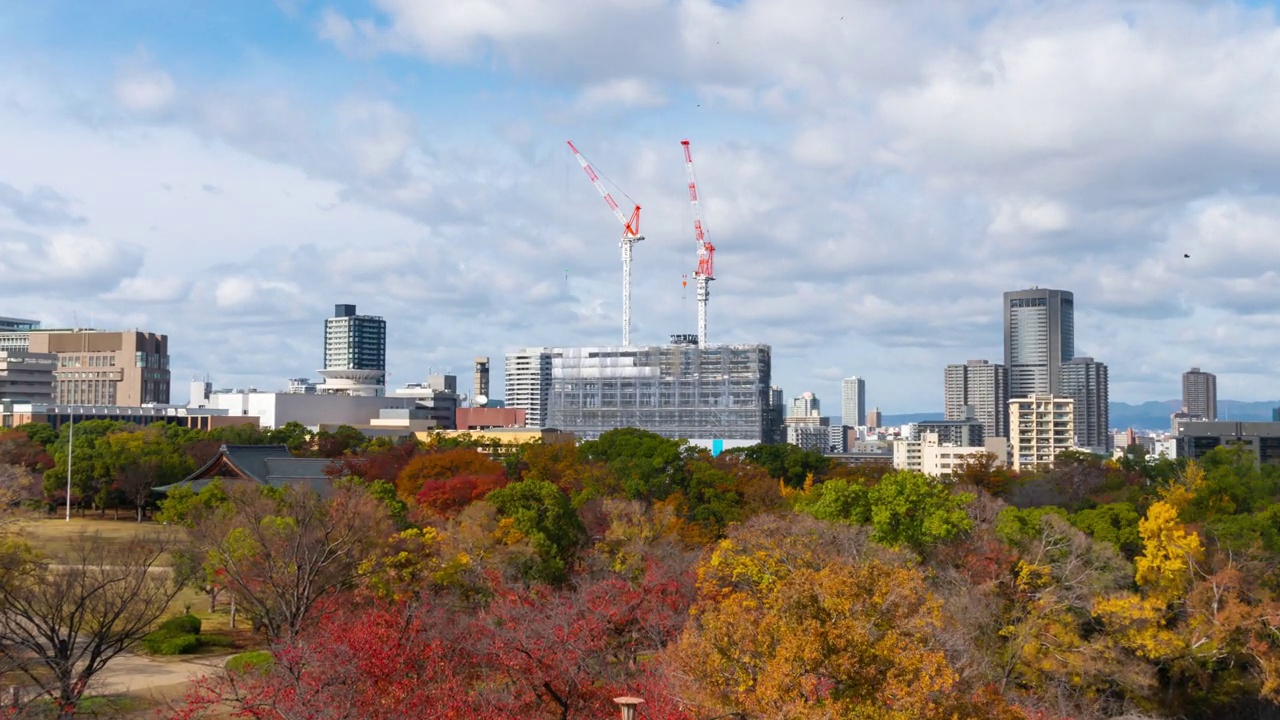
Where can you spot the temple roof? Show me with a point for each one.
(270, 465)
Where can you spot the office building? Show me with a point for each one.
(1039, 336)
(804, 405)
(853, 401)
(962, 433)
(314, 410)
(127, 369)
(808, 432)
(714, 393)
(27, 377)
(776, 433)
(1200, 394)
(1040, 427)
(56, 415)
(978, 390)
(15, 333)
(528, 383)
(1085, 382)
(355, 353)
(1261, 440)
(873, 418)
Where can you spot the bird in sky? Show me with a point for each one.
(1185, 255)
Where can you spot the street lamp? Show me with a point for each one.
(71, 436)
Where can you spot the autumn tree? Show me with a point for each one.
(279, 552)
(785, 462)
(905, 508)
(539, 512)
(63, 620)
(377, 462)
(139, 460)
(442, 465)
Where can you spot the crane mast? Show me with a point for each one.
(706, 251)
(630, 236)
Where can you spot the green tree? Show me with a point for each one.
(543, 514)
(40, 433)
(788, 463)
(1116, 523)
(905, 508)
(86, 473)
(644, 465)
(139, 460)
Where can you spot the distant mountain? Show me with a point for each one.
(1150, 415)
(1154, 415)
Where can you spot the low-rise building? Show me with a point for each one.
(15, 414)
(933, 457)
(965, 433)
(1261, 440)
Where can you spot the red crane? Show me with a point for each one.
(706, 251)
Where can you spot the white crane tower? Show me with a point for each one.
(706, 251)
(630, 236)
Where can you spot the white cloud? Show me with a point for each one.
(144, 90)
(621, 94)
(64, 264)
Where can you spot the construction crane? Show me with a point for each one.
(630, 236)
(706, 251)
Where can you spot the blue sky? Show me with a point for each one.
(874, 175)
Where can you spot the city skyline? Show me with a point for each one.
(226, 183)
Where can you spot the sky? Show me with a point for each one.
(873, 175)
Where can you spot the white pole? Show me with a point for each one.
(71, 436)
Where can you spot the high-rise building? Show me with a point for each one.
(1085, 382)
(528, 383)
(27, 377)
(804, 405)
(853, 401)
(777, 414)
(713, 393)
(873, 418)
(107, 368)
(355, 353)
(1039, 335)
(1040, 427)
(15, 333)
(1200, 394)
(978, 390)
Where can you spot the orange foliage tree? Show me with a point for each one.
(442, 465)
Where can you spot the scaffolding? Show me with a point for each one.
(677, 391)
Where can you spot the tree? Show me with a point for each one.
(342, 440)
(782, 631)
(86, 476)
(541, 513)
(642, 465)
(442, 465)
(905, 508)
(20, 449)
(140, 460)
(63, 620)
(449, 497)
(785, 462)
(281, 552)
(376, 462)
(1116, 523)
(1169, 552)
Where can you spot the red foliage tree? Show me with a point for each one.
(378, 463)
(449, 497)
(442, 465)
(16, 448)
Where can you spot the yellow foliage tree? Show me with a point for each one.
(1183, 489)
(1169, 552)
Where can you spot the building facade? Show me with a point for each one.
(873, 418)
(978, 390)
(929, 455)
(712, 392)
(355, 353)
(853, 401)
(528, 383)
(127, 369)
(1200, 394)
(27, 377)
(964, 433)
(809, 433)
(15, 333)
(1039, 336)
(1085, 381)
(1040, 427)
(1261, 440)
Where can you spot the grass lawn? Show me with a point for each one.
(55, 536)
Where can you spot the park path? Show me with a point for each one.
(135, 674)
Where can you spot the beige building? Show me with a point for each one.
(26, 377)
(107, 368)
(1040, 427)
(936, 459)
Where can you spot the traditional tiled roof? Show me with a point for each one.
(270, 465)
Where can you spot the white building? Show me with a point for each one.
(937, 459)
(853, 401)
(276, 409)
(528, 383)
(27, 377)
(1040, 427)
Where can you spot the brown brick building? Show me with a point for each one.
(107, 368)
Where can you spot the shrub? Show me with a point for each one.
(162, 643)
(181, 625)
(255, 660)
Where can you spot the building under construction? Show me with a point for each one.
(717, 395)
